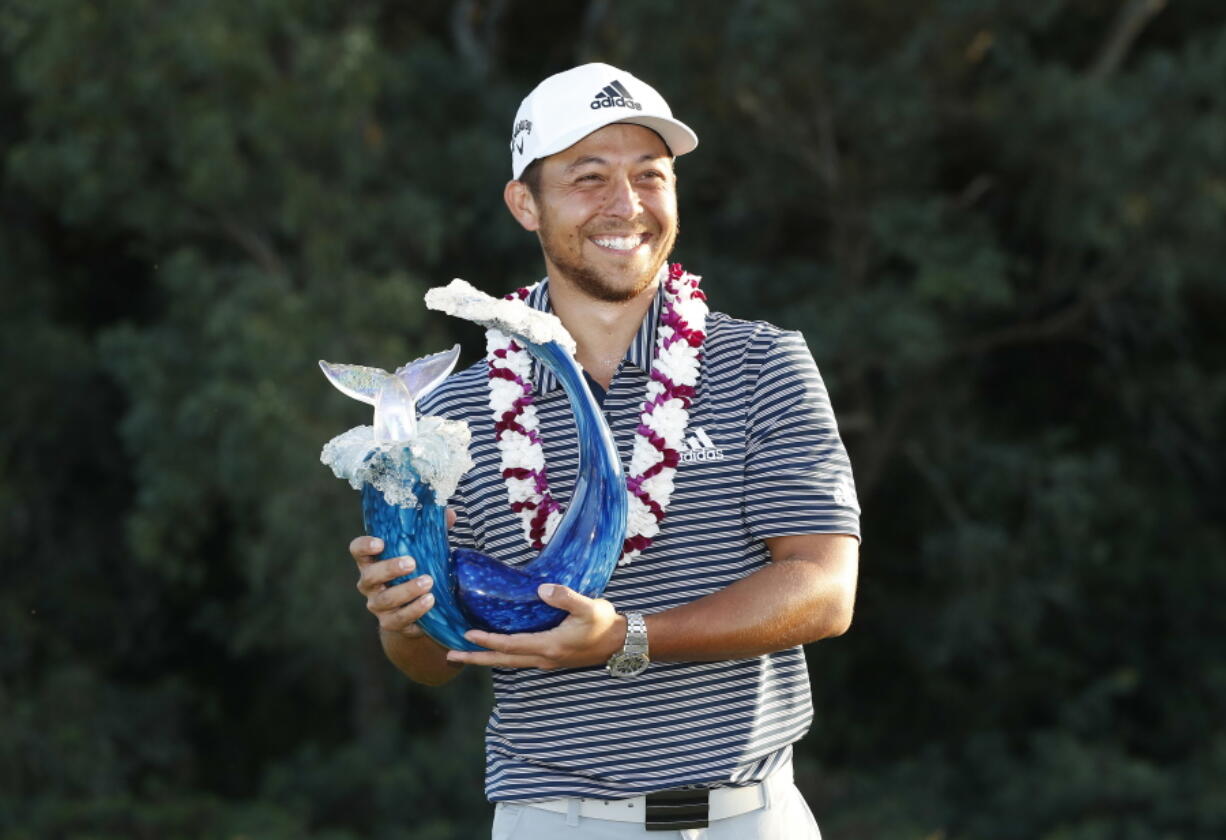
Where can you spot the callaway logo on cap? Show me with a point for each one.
(567, 107)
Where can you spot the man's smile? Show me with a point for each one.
(620, 243)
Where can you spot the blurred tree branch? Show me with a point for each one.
(881, 442)
(1130, 20)
(810, 135)
(475, 27)
(253, 245)
(594, 17)
(1056, 325)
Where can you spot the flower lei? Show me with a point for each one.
(658, 437)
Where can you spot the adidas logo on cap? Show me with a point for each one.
(614, 95)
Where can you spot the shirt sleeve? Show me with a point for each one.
(798, 477)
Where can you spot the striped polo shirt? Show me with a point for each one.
(762, 459)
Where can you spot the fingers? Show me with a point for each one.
(516, 650)
(399, 608)
(405, 619)
(376, 574)
(387, 598)
(365, 549)
(546, 650)
(499, 660)
(449, 515)
(515, 644)
(564, 598)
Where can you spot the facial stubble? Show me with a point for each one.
(589, 280)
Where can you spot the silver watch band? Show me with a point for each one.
(636, 634)
(632, 659)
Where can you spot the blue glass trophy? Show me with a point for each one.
(408, 466)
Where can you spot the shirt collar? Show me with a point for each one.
(640, 353)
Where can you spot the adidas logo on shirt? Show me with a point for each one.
(700, 447)
(615, 95)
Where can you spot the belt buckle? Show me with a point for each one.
(674, 810)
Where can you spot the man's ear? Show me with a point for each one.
(521, 204)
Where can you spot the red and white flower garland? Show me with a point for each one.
(658, 437)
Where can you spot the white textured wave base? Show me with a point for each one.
(438, 453)
(461, 299)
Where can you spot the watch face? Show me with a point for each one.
(628, 664)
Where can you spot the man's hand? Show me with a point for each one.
(397, 607)
(588, 636)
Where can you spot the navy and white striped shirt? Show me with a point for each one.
(764, 459)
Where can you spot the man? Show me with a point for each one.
(667, 708)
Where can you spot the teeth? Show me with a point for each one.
(618, 243)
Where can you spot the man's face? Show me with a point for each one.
(607, 211)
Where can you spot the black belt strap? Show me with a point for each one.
(674, 810)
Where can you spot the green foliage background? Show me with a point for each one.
(1001, 225)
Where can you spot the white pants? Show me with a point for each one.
(785, 816)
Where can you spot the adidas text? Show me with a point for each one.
(618, 102)
(692, 455)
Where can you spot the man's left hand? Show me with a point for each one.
(589, 635)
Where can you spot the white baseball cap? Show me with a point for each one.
(569, 106)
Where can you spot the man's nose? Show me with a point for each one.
(623, 201)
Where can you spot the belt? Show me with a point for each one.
(668, 810)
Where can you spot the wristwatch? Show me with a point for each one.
(632, 659)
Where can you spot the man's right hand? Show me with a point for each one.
(397, 607)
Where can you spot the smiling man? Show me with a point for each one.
(669, 707)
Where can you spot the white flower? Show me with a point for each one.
(495, 340)
(659, 485)
(520, 489)
(503, 394)
(644, 457)
(668, 420)
(639, 517)
(520, 364)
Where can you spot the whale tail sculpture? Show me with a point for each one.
(407, 466)
(394, 395)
